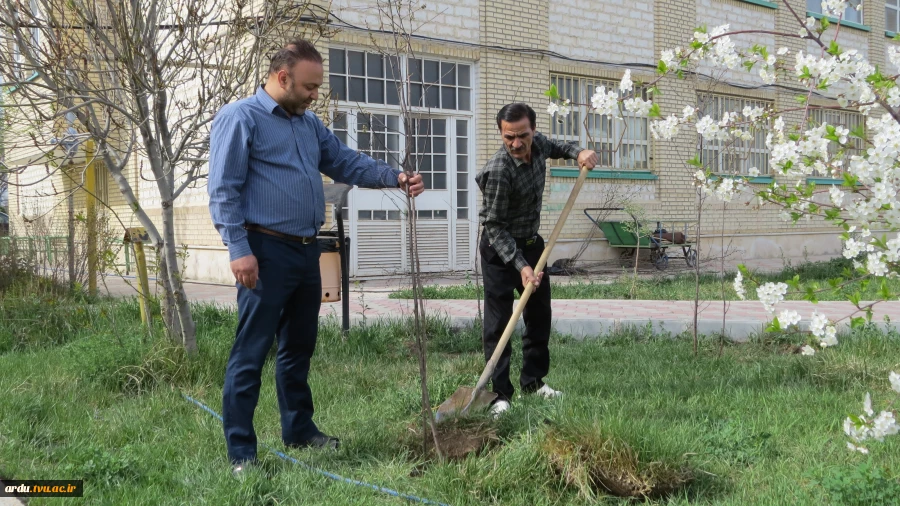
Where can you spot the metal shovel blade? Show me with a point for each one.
(456, 404)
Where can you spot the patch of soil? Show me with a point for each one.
(458, 438)
(595, 464)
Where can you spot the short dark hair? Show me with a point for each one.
(294, 51)
(515, 112)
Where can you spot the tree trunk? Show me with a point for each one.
(177, 312)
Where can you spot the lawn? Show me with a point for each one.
(660, 286)
(88, 395)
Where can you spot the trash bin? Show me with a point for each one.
(330, 266)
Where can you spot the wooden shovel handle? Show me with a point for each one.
(542, 262)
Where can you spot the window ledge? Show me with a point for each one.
(848, 24)
(890, 34)
(762, 3)
(824, 180)
(752, 180)
(12, 89)
(606, 174)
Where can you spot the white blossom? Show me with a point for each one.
(807, 350)
(552, 108)
(783, 51)
(638, 106)
(770, 294)
(829, 337)
(836, 195)
(605, 102)
(884, 425)
(753, 113)
(834, 8)
(895, 381)
(894, 55)
(853, 248)
(626, 85)
(875, 265)
(817, 324)
(859, 449)
(739, 285)
(752, 172)
(665, 129)
(668, 58)
(788, 317)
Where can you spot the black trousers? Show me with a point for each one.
(500, 280)
(285, 303)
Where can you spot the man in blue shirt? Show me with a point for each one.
(267, 202)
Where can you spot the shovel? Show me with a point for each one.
(466, 398)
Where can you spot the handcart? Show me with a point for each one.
(636, 236)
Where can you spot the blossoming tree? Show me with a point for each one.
(865, 207)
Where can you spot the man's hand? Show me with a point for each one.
(587, 158)
(246, 271)
(414, 186)
(529, 277)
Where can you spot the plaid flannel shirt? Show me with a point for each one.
(512, 191)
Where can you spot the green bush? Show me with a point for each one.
(863, 485)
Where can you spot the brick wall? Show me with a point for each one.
(739, 16)
(456, 20)
(615, 31)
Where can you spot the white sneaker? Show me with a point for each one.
(548, 393)
(498, 408)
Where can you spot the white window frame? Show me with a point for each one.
(602, 133)
(35, 41)
(744, 154)
(351, 109)
(403, 62)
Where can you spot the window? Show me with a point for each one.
(621, 144)
(377, 215)
(850, 13)
(432, 215)
(440, 85)
(429, 150)
(378, 135)
(22, 68)
(359, 76)
(462, 169)
(733, 156)
(892, 15)
(850, 120)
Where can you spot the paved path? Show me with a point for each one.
(580, 318)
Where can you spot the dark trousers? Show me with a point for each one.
(285, 303)
(500, 280)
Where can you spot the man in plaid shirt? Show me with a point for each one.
(512, 185)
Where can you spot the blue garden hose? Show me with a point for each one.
(326, 474)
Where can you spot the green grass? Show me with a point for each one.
(682, 286)
(97, 398)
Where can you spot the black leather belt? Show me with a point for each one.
(263, 230)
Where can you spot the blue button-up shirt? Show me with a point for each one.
(264, 169)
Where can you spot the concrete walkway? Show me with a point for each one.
(580, 318)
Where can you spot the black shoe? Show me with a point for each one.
(320, 440)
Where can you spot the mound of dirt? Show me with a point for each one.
(458, 438)
(597, 464)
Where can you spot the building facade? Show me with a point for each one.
(471, 57)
